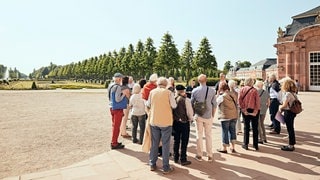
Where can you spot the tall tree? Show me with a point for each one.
(110, 65)
(167, 61)
(127, 60)
(102, 66)
(150, 55)
(77, 70)
(120, 59)
(205, 62)
(186, 60)
(138, 58)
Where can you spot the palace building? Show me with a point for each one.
(259, 70)
(298, 51)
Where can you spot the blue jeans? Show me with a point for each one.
(228, 131)
(163, 133)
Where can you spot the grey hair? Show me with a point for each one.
(136, 88)
(249, 81)
(162, 81)
(273, 76)
(259, 84)
(232, 84)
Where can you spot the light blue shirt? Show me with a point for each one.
(199, 93)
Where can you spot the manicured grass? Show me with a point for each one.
(47, 85)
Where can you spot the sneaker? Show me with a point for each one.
(210, 159)
(198, 158)
(185, 163)
(168, 171)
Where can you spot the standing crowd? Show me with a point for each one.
(162, 109)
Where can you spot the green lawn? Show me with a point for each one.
(26, 85)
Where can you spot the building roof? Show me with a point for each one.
(312, 12)
(302, 20)
(265, 63)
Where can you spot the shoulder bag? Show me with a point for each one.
(201, 107)
(296, 106)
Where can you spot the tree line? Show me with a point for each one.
(139, 61)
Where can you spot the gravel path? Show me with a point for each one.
(41, 130)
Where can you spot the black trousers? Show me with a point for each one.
(254, 120)
(273, 109)
(289, 120)
(181, 132)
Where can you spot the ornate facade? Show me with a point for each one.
(298, 50)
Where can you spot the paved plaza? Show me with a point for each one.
(267, 163)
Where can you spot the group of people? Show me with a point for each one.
(162, 110)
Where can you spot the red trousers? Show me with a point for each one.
(116, 122)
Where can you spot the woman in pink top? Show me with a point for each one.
(249, 102)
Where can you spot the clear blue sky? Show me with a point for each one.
(34, 33)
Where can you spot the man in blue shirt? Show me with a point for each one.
(203, 93)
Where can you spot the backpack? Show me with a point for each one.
(117, 105)
(296, 106)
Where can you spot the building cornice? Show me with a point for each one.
(294, 36)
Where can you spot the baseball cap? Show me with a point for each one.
(118, 75)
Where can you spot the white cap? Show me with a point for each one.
(153, 77)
